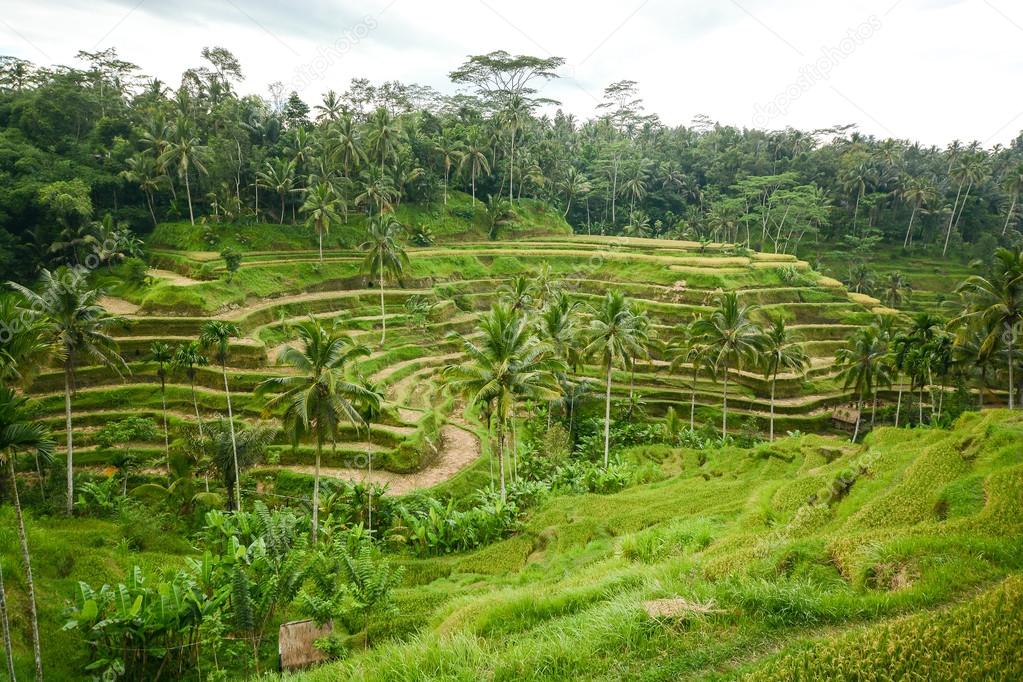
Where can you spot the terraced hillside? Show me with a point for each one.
(807, 559)
(445, 291)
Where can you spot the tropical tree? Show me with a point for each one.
(994, 307)
(385, 257)
(163, 356)
(686, 349)
(574, 185)
(895, 289)
(216, 335)
(508, 363)
(320, 207)
(279, 178)
(731, 339)
(614, 335)
(319, 397)
(475, 158)
(184, 152)
(497, 214)
(451, 151)
(1013, 185)
(189, 358)
(780, 352)
(863, 363)
(80, 329)
(919, 192)
(18, 432)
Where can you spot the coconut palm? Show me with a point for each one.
(330, 108)
(863, 363)
(348, 149)
(383, 135)
(731, 338)
(971, 170)
(614, 335)
(1013, 185)
(385, 257)
(686, 349)
(920, 193)
(514, 117)
(189, 358)
(319, 397)
(895, 289)
(780, 352)
(994, 307)
(475, 157)
(320, 207)
(216, 335)
(451, 151)
(18, 432)
(163, 356)
(278, 177)
(80, 329)
(184, 152)
(506, 365)
(574, 185)
(497, 214)
(144, 171)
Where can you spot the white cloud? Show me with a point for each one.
(933, 70)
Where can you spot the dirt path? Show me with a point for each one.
(172, 277)
(118, 306)
(458, 449)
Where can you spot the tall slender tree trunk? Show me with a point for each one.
(319, 231)
(369, 481)
(282, 209)
(5, 623)
(898, 406)
(188, 192)
(500, 451)
(166, 432)
(26, 559)
(1011, 385)
(951, 218)
(724, 408)
(234, 441)
(383, 310)
(70, 454)
(773, 382)
(859, 409)
(909, 230)
(607, 418)
(152, 213)
(920, 408)
(692, 405)
(316, 484)
(1008, 216)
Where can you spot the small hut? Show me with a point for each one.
(296, 643)
(845, 417)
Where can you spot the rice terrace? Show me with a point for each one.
(501, 377)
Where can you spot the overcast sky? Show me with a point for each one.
(927, 70)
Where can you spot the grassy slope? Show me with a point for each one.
(932, 519)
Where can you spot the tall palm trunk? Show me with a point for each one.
(1011, 385)
(724, 407)
(898, 406)
(909, 230)
(859, 409)
(70, 454)
(166, 432)
(234, 441)
(951, 218)
(319, 231)
(692, 404)
(5, 623)
(369, 480)
(27, 561)
(1008, 216)
(316, 484)
(188, 192)
(383, 310)
(773, 382)
(607, 418)
(282, 209)
(500, 451)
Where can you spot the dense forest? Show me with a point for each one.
(95, 153)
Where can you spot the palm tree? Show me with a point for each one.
(19, 432)
(279, 178)
(574, 185)
(514, 118)
(383, 136)
(518, 294)
(995, 306)
(498, 213)
(144, 171)
(320, 206)
(1013, 185)
(731, 338)
(970, 171)
(163, 356)
(779, 351)
(919, 193)
(348, 148)
(80, 329)
(687, 349)
(451, 151)
(184, 152)
(319, 397)
(331, 107)
(216, 335)
(508, 364)
(614, 334)
(898, 359)
(864, 365)
(895, 289)
(475, 157)
(189, 358)
(385, 257)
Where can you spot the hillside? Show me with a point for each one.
(802, 558)
(446, 289)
